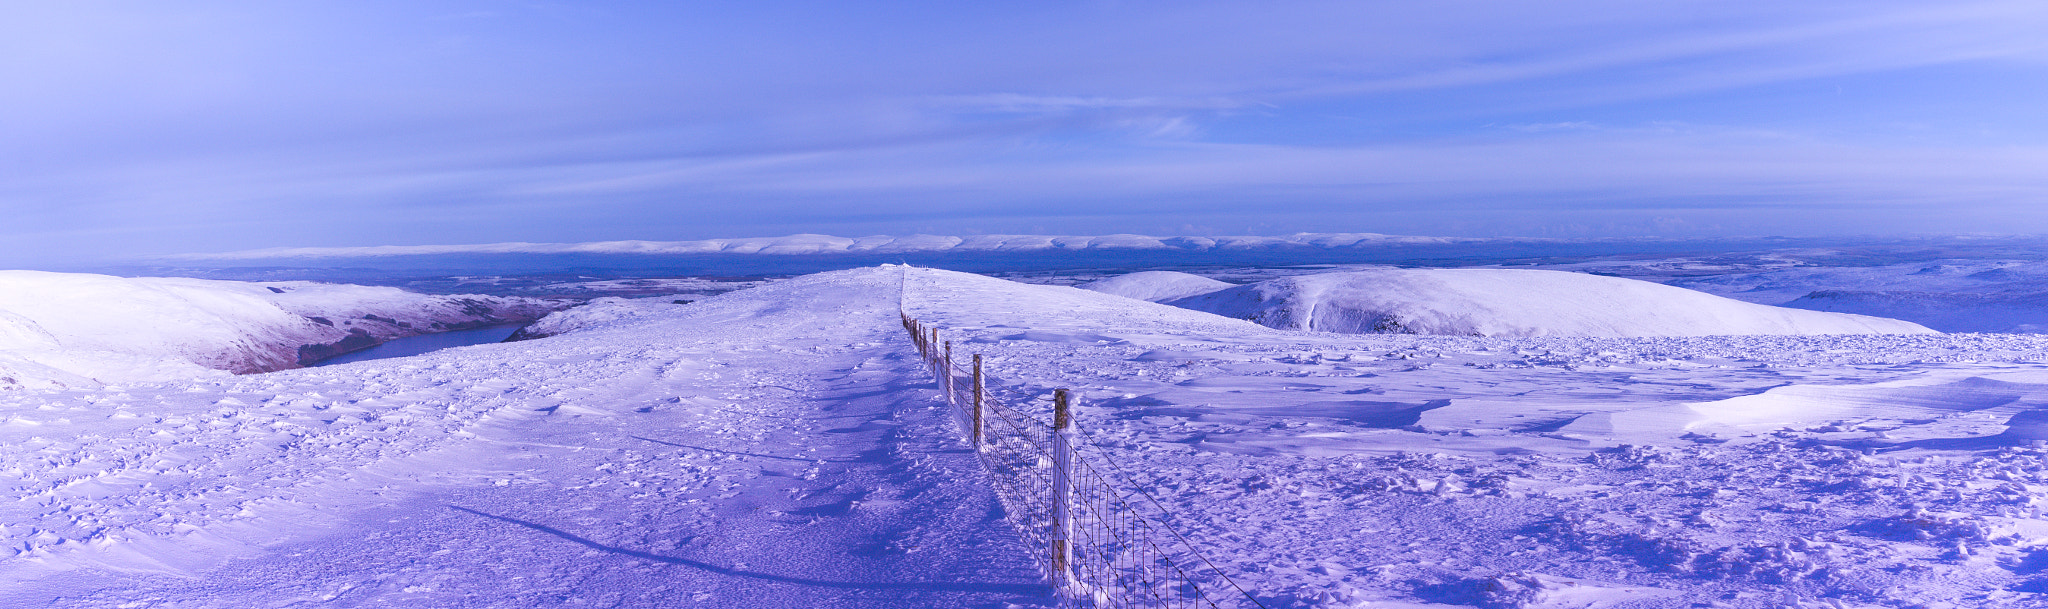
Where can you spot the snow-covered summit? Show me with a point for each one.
(1156, 286)
(76, 329)
(1514, 302)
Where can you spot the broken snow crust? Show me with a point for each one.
(769, 448)
(1329, 470)
(76, 329)
(1514, 302)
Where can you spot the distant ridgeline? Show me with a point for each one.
(798, 254)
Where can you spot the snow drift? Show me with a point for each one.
(73, 329)
(1504, 302)
(1156, 286)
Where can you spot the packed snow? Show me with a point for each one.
(1507, 302)
(782, 447)
(84, 330)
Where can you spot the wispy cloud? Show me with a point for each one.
(179, 126)
(1664, 59)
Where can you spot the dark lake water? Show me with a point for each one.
(415, 345)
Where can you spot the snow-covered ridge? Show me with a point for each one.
(1512, 302)
(828, 244)
(73, 329)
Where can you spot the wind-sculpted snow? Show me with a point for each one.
(1876, 470)
(1507, 302)
(67, 329)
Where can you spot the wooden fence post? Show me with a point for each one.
(1062, 510)
(974, 431)
(947, 369)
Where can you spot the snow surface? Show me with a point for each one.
(1156, 286)
(1430, 471)
(1512, 302)
(74, 329)
(768, 448)
(781, 447)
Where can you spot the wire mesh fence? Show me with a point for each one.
(1097, 545)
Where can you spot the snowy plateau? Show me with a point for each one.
(1618, 445)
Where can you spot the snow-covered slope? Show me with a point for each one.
(71, 328)
(2025, 312)
(766, 449)
(1945, 276)
(1156, 286)
(1946, 295)
(1509, 302)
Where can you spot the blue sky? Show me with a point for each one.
(148, 127)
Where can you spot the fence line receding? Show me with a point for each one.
(1098, 548)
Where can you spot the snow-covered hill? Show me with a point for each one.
(1156, 286)
(72, 329)
(1511, 302)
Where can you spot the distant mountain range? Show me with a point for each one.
(827, 244)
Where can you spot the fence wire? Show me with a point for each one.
(1097, 546)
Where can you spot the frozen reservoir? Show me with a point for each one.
(425, 343)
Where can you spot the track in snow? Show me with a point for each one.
(780, 450)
